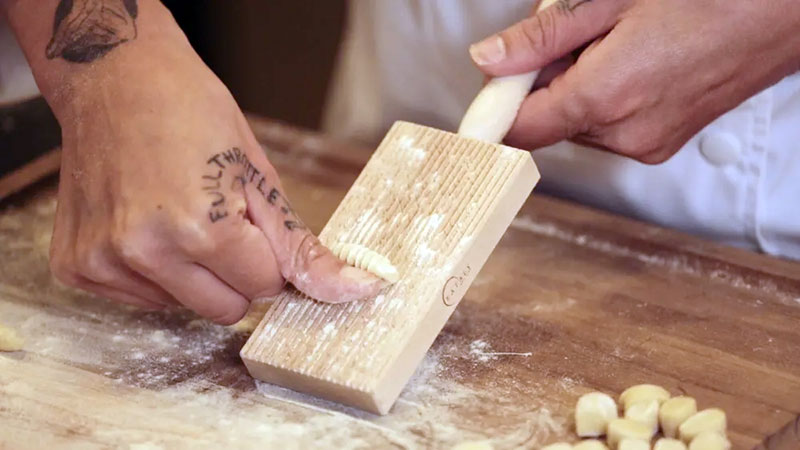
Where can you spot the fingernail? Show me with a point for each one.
(491, 50)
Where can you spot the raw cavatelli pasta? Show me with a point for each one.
(359, 256)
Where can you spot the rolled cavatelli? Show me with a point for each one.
(359, 256)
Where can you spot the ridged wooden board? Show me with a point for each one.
(435, 204)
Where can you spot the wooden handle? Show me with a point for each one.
(495, 108)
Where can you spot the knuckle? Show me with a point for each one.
(91, 264)
(642, 143)
(601, 104)
(197, 238)
(130, 247)
(64, 271)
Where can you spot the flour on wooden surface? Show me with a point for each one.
(481, 351)
(677, 262)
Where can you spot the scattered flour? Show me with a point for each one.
(677, 262)
(406, 143)
(481, 351)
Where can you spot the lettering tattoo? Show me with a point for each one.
(568, 6)
(86, 30)
(235, 160)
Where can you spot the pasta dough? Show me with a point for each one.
(10, 341)
(359, 256)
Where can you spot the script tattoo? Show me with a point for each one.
(244, 173)
(568, 6)
(85, 30)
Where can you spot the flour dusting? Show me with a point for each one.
(683, 263)
(481, 351)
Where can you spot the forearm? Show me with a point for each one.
(85, 54)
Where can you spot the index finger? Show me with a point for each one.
(302, 258)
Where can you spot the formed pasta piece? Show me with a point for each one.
(641, 393)
(710, 440)
(645, 412)
(669, 444)
(674, 412)
(633, 444)
(620, 429)
(593, 413)
(712, 419)
(10, 341)
(359, 256)
(590, 444)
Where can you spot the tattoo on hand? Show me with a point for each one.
(86, 30)
(568, 6)
(219, 163)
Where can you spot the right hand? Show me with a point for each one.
(166, 197)
(651, 73)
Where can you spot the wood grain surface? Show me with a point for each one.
(572, 300)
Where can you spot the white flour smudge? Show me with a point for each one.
(481, 351)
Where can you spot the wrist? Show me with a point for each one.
(96, 54)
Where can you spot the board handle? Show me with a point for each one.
(495, 108)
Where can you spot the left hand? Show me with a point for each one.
(653, 75)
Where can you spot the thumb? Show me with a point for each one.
(546, 36)
(302, 258)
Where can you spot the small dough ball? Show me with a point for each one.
(10, 341)
(712, 419)
(590, 444)
(620, 429)
(674, 412)
(474, 445)
(645, 412)
(593, 413)
(642, 393)
(710, 440)
(669, 444)
(634, 444)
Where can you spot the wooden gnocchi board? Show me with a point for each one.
(436, 204)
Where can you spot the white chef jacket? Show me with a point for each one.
(737, 181)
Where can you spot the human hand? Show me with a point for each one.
(653, 75)
(166, 196)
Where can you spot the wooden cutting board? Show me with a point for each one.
(572, 300)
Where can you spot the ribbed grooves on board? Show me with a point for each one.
(419, 201)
